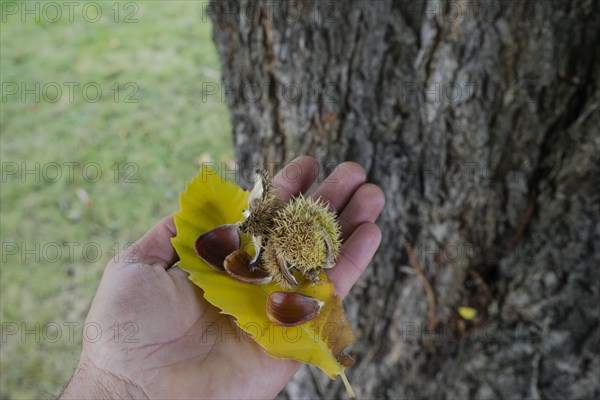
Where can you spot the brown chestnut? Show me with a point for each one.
(291, 309)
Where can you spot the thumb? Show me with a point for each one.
(155, 246)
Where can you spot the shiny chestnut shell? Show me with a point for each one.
(291, 309)
(215, 245)
(237, 265)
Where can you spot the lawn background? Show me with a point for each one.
(58, 232)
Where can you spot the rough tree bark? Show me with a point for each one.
(480, 120)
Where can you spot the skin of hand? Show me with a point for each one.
(161, 339)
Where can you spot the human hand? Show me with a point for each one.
(163, 349)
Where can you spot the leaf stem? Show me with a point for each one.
(347, 385)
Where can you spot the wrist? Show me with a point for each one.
(90, 382)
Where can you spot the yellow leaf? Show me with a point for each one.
(209, 202)
(467, 313)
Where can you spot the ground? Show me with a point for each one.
(104, 118)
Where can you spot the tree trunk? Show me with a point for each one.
(480, 121)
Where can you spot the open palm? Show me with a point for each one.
(161, 339)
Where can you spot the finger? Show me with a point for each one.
(296, 177)
(364, 206)
(155, 246)
(354, 257)
(178, 274)
(340, 185)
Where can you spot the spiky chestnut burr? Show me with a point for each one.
(302, 235)
(306, 235)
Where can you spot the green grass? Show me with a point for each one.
(156, 143)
